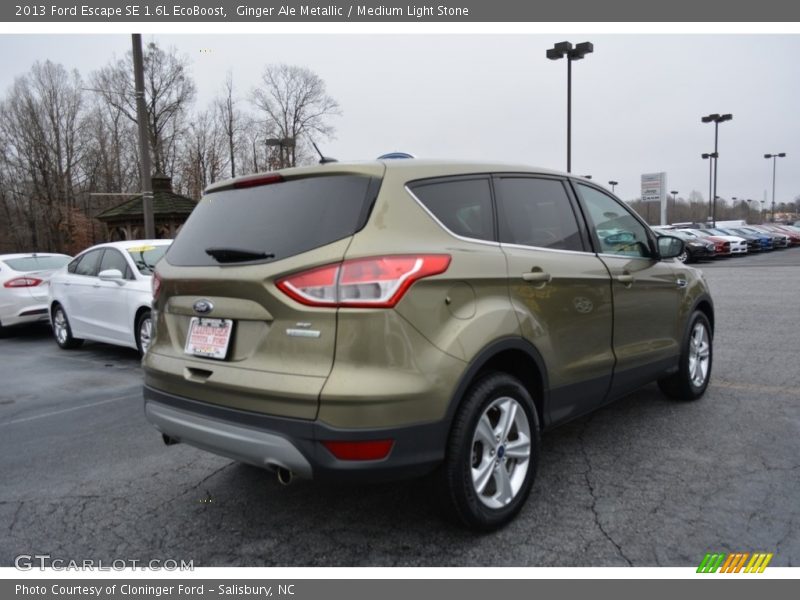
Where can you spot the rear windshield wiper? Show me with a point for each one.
(230, 255)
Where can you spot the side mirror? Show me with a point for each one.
(114, 275)
(669, 246)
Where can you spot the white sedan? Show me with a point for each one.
(104, 295)
(23, 286)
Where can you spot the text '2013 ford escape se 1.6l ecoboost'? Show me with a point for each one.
(384, 320)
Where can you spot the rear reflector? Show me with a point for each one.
(362, 450)
(21, 282)
(377, 282)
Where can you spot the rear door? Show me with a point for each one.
(646, 291)
(560, 288)
(224, 265)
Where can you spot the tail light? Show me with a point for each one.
(22, 282)
(156, 285)
(359, 450)
(378, 282)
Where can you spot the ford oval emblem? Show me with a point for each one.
(203, 307)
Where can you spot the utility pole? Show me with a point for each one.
(145, 170)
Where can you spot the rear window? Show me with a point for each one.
(37, 263)
(279, 219)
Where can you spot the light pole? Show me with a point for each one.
(613, 184)
(710, 158)
(674, 194)
(762, 211)
(716, 119)
(558, 51)
(774, 158)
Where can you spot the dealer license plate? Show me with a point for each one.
(209, 337)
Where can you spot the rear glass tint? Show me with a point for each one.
(279, 219)
(37, 263)
(464, 206)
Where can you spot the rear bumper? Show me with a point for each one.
(294, 444)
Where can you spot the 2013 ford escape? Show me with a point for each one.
(384, 320)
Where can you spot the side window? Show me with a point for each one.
(87, 265)
(73, 265)
(113, 259)
(464, 206)
(615, 228)
(536, 212)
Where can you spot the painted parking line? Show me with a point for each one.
(754, 387)
(66, 410)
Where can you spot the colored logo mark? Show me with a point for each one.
(735, 562)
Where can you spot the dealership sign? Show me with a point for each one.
(654, 187)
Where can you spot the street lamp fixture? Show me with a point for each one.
(716, 119)
(774, 158)
(587, 176)
(566, 50)
(613, 184)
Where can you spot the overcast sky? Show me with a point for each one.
(637, 101)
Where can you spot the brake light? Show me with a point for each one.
(378, 282)
(258, 180)
(360, 450)
(21, 282)
(156, 285)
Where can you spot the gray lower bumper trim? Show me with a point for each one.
(252, 446)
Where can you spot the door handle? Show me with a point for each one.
(626, 278)
(537, 277)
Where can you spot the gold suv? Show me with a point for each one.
(389, 319)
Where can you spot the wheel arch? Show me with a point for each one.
(705, 306)
(515, 356)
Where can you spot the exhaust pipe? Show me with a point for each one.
(169, 441)
(285, 476)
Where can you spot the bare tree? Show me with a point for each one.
(169, 90)
(42, 128)
(295, 106)
(230, 119)
(204, 154)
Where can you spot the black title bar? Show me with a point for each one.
(337, 11)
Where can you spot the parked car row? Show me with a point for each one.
(103, 294)
(702, 243)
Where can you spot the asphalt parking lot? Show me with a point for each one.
(643, 482)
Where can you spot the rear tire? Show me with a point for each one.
(694, 373)
(492, 453)
(144, 332)
(62, 330)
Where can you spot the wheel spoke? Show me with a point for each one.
(519, 448)
(506, 422)
(482, 475)
(484, 432)
(504, 491)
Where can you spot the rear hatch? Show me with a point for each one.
(242, 238)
